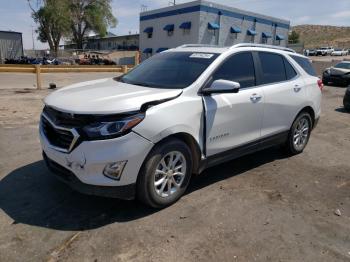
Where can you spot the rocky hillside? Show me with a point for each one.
(322, 35)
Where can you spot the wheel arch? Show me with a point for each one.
(193, 145)
(311, 111)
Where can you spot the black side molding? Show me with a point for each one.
(246, 149)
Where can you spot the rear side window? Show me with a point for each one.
(272, 66)
(305, 64)
(238, 68)
(290, 72)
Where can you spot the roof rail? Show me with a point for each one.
(196, 45)
(263, 46)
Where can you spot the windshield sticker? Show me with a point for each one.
(201, 55)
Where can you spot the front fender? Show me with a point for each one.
(181, 115)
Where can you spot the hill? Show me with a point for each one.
(315, 36)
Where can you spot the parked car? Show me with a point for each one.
(179, 112)
(339, 52)
(325, 50)
(346, 100)
(312, 52)
(339, 74)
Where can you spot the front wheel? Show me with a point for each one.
(165, 175)
(299, 134)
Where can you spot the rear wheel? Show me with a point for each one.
(165, 174)
(299, 134)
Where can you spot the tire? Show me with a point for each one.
(147, 191)
(291, 146)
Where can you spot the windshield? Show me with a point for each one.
(343, 65)
(337, 49)
(170, 70)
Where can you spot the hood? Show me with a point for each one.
(338, 71)
(105, 96)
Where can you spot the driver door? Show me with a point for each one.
(234, 119)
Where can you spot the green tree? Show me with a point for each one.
(293, 37)
(90, 16)
(53, 22)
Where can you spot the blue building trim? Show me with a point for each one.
(169, 27)
(148, 51)
(279, 37)
(213, 26)
(266, 35)
(148, 30)
(214, 10)
(162, 49)
(235, 30)
(251, 32)
(185, 25)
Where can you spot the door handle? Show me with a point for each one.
(255, 98)
(297, 88)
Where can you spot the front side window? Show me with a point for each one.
(272, 67)
(238, 68)
(169, 70)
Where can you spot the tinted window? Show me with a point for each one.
(174, 70)
(238, 68)
(305, 64)
(343, 65)
(290, 72)
(272, 67)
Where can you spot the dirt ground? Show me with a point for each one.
(262, 207)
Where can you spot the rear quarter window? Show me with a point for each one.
(305, 64)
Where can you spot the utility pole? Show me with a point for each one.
(33, 37)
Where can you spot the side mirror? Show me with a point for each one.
(222, 86)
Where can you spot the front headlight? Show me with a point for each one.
(106, 130)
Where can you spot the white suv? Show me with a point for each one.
(145, 133)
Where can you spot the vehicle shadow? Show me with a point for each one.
(30, 195)
(342, 110)
(235, 167)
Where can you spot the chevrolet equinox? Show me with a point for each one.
(143, 134)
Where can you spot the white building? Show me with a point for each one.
(203, 22)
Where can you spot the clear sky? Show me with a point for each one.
(15, 15)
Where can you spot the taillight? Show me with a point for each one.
(320, 84)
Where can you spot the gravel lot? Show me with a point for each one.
(262, 207)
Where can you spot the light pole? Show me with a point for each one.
(33, 37)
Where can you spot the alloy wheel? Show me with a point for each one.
(301, 133)
(170, 174)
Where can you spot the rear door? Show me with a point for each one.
(234, 119)
(283, 90)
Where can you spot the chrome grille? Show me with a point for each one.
(66, 120)
(61, 138)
